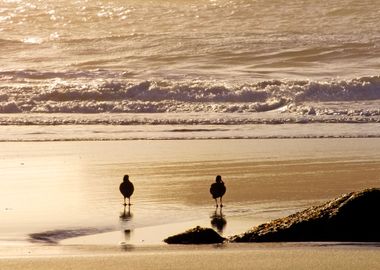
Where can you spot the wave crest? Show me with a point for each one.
(100, 91)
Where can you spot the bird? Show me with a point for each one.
(217, 190)
(126, 188)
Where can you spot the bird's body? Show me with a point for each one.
(126, 188)
(217, 190)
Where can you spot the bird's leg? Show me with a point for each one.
(216, 202)
(221, 204)
(129, 201)
(124, 202)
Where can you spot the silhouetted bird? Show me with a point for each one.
(126, 188)
(217, 190)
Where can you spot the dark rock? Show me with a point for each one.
(352, 217)
(196, 235)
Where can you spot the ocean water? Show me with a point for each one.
(176, 64)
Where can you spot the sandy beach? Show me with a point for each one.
(232, 256)
(61, 206)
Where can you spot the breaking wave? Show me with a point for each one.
(106, 92)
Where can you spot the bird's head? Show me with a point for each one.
(126, 178)
(218, 179)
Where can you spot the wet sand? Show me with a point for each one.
(232, 256)
(71, 189)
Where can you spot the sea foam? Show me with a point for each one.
(36, 92)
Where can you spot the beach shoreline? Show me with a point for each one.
(280, 98)
(265, 179)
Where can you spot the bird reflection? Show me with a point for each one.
(126, 215)
(125, 218)
(125, 245)
(218, 220)
(127, 234)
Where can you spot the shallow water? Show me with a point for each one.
(98, 132)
